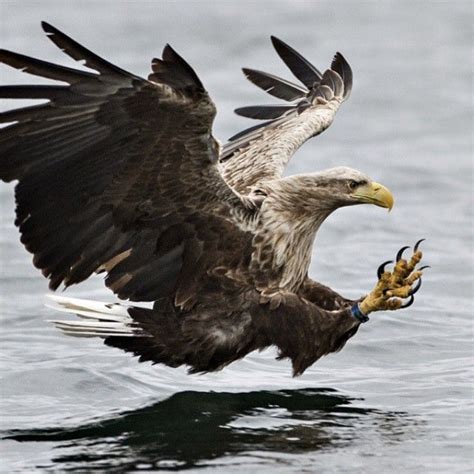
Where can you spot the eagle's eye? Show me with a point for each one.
(353, 184)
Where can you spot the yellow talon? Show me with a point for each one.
(394, 286)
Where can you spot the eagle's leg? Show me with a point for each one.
(396, 285)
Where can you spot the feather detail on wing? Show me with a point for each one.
(118, 174)
(261, 152)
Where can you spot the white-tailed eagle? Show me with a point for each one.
(122, 175)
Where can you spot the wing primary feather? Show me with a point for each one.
(325, 92)
(336, 82)
(26, 113)
(52, 125)
(175, 72)
(341, 66)
(78, 52)
(264, 112)
(40, 112)
(274, 85)
(171, 56)
(38, 67)
(33, 92)
(298, 65)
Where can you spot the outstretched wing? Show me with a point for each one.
(117, 173)
(261, 153)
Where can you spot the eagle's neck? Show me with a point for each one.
(282, 249)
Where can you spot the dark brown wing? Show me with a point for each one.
(118, 173)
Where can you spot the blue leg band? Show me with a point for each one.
(358, 314)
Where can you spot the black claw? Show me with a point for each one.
(381, 269)
(415, 248)
(408, 303)
(416, 288)
(400, 253)
(423, 268)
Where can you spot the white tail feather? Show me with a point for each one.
(99, 319)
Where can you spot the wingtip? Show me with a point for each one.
(173, 63)
(247, 72)
(48, 28)
(340, 57)
(170, 54)
(279, 44)
(167, 47)
(274, 39)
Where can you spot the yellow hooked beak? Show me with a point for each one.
(374, 193)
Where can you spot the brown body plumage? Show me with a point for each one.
(122, 175)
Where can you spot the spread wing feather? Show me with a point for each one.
(261, 152)
(298, 65)
(264, 112)
(119, 174)
(275, 86)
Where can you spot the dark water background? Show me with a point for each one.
(399, 397)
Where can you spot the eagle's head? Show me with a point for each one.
(292, 210)
(319, 194)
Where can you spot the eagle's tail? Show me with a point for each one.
(97, 319)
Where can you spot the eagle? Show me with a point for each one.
(122, 175)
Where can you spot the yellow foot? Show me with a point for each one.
(396, 285)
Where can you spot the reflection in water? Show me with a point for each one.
(190, 428)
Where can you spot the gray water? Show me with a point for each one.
(399, 397)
